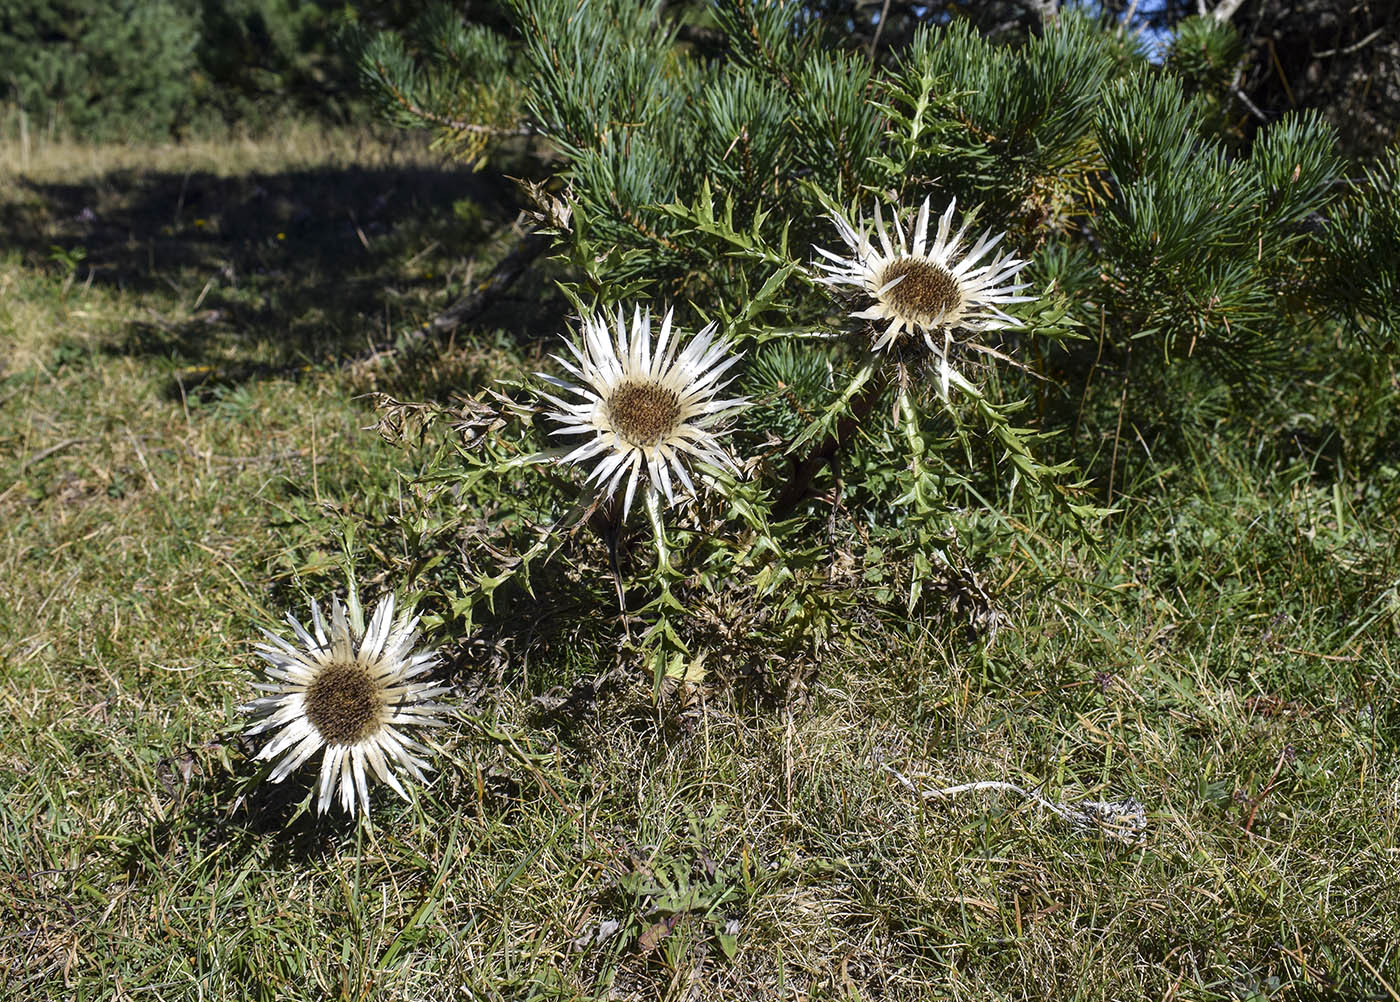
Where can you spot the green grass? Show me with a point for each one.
(179, 451)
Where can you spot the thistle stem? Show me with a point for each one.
(658, 531)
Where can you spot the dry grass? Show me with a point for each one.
(170, 480)
(293, 144)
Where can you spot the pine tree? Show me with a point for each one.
(1103, 162)
(695, 156)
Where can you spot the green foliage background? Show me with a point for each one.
(103, 68)
(128, 69)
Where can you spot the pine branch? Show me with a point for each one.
(415, 110)
(1238, 91)
(1354, 47)
(709, 40)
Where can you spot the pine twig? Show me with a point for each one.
(1253, 108)
(507, 271)
(418, 111)
(1225, 10)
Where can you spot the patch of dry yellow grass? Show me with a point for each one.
(290, 145)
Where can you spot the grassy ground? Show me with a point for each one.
(179, 448)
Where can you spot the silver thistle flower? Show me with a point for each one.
(350, 691)
(647, 406)
(931, 287)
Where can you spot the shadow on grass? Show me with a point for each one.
(217, 797)
(583, 665)
(221, 791)
(252, 275)
(559, 631)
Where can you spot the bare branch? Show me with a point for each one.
(1244, 100)
(879, 28)
(1353, 47)
(1225, 11)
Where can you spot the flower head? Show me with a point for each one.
(646, 405)
(351, 691)
(932, 287)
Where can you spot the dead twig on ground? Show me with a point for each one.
(1120, 819)
(504, 275)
